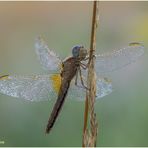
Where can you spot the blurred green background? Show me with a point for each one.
(122, 116)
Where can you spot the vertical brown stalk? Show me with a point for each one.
(90, 135)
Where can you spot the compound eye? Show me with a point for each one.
(75, 51)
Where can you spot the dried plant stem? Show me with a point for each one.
(90, 136)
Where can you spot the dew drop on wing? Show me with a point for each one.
(118, 58)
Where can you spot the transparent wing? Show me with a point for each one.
(120, 58)
(103, 88)
(48, 59)
(46, 87)
(32, 88)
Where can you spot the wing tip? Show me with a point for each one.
(4, 77)
(141, 44)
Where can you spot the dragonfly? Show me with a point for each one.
(66, 78)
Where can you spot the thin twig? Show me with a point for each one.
(90, 136)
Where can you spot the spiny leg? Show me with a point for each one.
(85, 66)
(76, 79)
(86, 59)
(81, 78)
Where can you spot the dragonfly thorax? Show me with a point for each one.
(79, 52)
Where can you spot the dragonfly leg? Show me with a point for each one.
(76, 79)
(84, 66)
(81, 78)
(86, 59)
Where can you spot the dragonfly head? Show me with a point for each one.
(79, 52)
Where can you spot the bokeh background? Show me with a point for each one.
(122, 116)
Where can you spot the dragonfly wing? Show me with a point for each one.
(75, 92)
(32, 88)
(48, 59)
(112, 61)
(103, 88)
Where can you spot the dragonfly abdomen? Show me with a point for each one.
(58, 105)
(68, 72)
